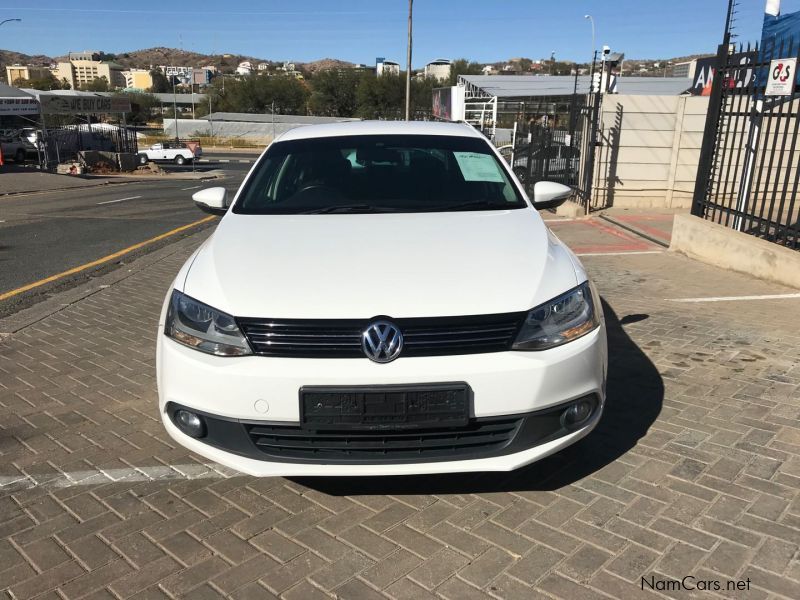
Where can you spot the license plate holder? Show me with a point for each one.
(383, 407)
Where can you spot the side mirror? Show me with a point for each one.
(549, 194)
(212, 200)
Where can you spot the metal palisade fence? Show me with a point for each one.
(748, 174)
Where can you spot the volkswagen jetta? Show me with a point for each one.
(380, 298)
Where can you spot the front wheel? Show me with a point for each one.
(180, 160)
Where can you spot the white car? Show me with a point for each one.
(381, 298)
(175, 152)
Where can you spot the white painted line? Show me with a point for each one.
(224, 160)
(129, 475)
(735, 298)
(194, 187)
(119, 200)
(619, 253)
(245, 161)
(565, 220)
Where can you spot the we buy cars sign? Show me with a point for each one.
(76, 105)
(781, 77)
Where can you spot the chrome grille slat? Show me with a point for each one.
(341, 338)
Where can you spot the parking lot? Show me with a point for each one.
(693, 471)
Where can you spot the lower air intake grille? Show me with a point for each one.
(479, 437)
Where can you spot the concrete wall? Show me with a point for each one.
(650, 150)
(723, 247)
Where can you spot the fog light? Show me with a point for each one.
(189, 423)
(577, 414)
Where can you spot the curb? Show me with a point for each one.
(59, 301)
(635, 230)
(64, 189)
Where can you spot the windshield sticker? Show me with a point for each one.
(478, 167)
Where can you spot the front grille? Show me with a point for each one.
(479, 437)
(341, 338)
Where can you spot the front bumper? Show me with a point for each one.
(256, 389)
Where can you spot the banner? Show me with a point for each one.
(443, 103)
(76, 105)
(779, 28)
(18, 106)
(737, 78)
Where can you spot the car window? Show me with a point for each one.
(388, 173)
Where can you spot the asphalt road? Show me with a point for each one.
(48, 233)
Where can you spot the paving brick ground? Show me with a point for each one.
(695, 470)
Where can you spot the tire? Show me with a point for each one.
(521, 173)
(20, 156)
(142, 158)
(180, 160)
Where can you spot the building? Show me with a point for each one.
(684, 69)
(489, 70)
(386, 67)
(244, 68)
(83, 68)
(263, 67)
(15, 72)
(138, 79)
(85, 55)
(438, 69)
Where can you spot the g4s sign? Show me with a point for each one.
(781, 77)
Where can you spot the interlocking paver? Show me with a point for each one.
(695, 469)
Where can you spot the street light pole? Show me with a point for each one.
(591, 20)
(408, 63)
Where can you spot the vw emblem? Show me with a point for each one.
(382, 341)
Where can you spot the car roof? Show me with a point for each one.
(380, 128)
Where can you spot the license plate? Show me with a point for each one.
(384, 407)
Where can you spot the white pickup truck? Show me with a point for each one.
(177, 152)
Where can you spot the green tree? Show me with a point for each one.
(48, 82)
(334, 92)
(257, 95)
(462, 66)
(161, 84)
(144, 107)
(381, 97)
(98, 84)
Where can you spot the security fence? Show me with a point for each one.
(748, 177)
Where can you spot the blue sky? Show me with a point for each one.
(360, 30)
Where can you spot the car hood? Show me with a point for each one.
(367, 265)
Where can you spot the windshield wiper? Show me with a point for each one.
(476, 204)
(347, 208)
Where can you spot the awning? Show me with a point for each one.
(74, 102)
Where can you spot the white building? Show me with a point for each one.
(244, 68)
(386, 67)
(489, 70)
(263, 66)
(438, 69)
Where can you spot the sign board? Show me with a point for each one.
(740, 77)
(78, 105)
(18, 106)
(567, 140)
(781, 77)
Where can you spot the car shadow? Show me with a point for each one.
(635, 393)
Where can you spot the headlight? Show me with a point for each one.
(203, 328)
(559, 321)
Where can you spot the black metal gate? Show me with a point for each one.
(545, 154)
(749, 174)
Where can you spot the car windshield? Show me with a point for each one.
(378, 173)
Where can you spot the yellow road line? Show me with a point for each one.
(100, 261)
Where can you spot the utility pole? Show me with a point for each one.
(175, 106)
(408, 63)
